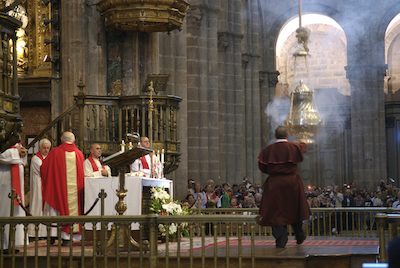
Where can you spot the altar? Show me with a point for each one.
(137, 198)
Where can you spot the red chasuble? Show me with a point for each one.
(63, 181)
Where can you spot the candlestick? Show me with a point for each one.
(158, 156)
(162, 156)
(153, 170)
(130, 146)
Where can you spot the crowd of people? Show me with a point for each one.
(384, 195)
(243, 195)
(248, 195)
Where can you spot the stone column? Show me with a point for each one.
(367, 124)
(96, 83)
(73, 52)
(251, 71)
(203, 125)
(232, 153)
(173, 61)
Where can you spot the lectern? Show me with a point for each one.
(121, 161)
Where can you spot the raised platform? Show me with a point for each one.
(315, 252)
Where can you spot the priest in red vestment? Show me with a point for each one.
(283, 200)
(63, 180)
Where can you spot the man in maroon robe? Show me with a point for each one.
(63, 180)
(283, 200)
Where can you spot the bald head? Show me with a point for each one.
(68, 137)
(281, 132)
(144, 142)
(95, 150)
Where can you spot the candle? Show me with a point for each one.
(158, 156)
(122, 146)
(130, 146)
(162, 156)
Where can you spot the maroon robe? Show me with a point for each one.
(283, 201)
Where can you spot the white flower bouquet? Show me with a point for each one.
(162, 204)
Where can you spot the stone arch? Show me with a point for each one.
(392, 12)
(288, 15)
(392, 44)
(328, 57)
(392, 83)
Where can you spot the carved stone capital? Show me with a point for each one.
(245, 58)
(194, 17)
(362, 73)
(272, 77)
(223, 42)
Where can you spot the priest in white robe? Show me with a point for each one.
(12, 162)
(144, 163)
(36, 200)
(92, 165)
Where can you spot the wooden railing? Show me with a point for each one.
(106, 120)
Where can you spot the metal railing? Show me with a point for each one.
(112, 251)
(391, 223)
(339, 222)
(137, 238)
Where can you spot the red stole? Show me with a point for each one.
(144, 162)
(16, 179)
(94, 166)
(38, 154)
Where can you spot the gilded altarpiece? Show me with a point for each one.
(37, 33)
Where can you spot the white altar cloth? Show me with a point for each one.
(133, 198)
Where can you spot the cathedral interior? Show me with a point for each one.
(220, 73)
